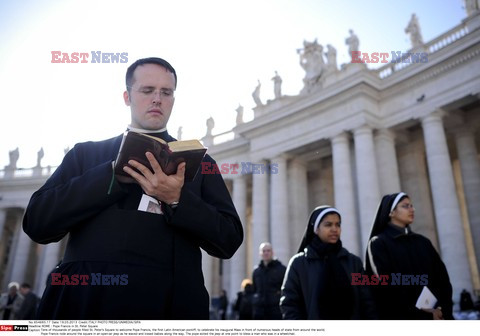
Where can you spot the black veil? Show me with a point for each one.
(322, 211)
(386, 206)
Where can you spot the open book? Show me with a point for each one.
(426, 299)
(168, 154)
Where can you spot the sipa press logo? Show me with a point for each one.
(5, 327)
(92, 57)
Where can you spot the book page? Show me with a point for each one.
(184, 145)
(426, 299)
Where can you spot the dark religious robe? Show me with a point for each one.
(122, 263)
(411, 262)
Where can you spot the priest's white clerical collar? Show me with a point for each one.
(141, 130)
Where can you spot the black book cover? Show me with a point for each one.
(169, 155)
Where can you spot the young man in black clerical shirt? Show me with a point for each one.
(123, 262)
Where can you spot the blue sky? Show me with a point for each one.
(219, 49)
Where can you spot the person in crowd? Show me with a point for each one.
(122, 249)
(28, 310)
(267, 282)
(10, 302)
(244, 303)
(466, 302)
(223, 307)
(318, 283)
(409, 261)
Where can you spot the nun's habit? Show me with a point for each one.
(392, 250)
(317, 283)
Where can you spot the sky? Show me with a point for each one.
(219, 48)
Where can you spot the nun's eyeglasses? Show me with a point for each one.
(407, 206)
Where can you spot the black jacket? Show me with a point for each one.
(267, 282)
(244, 303)
(403, 252)
(300, 290)
(28, 311)
(157, 257)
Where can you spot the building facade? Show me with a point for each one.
(349, 137)
(355, 135)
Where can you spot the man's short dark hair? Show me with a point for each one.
(149, 60)
(25, 285)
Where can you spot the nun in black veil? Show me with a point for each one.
(409, 260)
(318, 280)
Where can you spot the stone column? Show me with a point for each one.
(216, 283)
(414, 176)
(447, 210)
(367, 180)
(3, 220)
(225, 271)
(49, 259)
(345, 193)
(387, 162)
(3, 247)
(20, 253)
(238, 263)
(207, 267)
(260, 212)
(279, 210)
(470, 168)
(298, 202)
